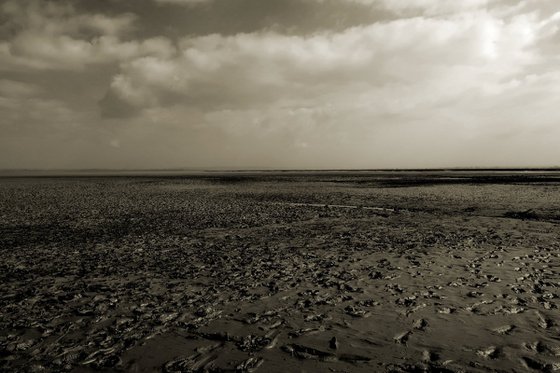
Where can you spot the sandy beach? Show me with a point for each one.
(278, 272)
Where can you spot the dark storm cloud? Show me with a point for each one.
(180, 18)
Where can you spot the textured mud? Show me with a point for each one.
(340, 272)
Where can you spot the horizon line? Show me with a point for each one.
(31, 171)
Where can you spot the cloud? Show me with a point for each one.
(439, 87)
(12, 88)
(49, 35)
(427, 7)
(20, 114)
(62, 18)
(266, 67)
(431, 7)
(183, 2)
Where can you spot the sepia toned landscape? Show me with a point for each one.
(211, 186)
(432, 271)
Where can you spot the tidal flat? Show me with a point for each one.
(434, 271)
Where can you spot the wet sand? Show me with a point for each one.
(274, 272)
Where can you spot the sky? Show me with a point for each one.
(289, 84)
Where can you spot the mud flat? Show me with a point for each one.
(275, 272)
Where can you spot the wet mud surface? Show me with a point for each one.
(273, 272)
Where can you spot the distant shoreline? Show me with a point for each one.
(202, 172)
